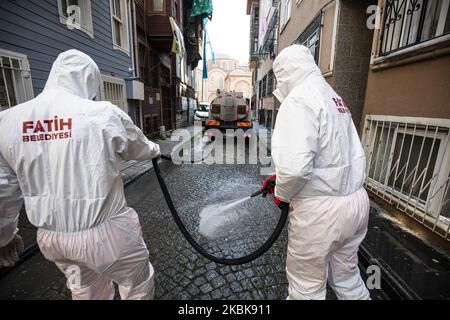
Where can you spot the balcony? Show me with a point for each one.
(159, 30)
(155, 23)
(270, 39)
(193, 37)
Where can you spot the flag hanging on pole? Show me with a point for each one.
(205, 70)
(202, 7)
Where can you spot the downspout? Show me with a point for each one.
(132, 34)
(133, 43)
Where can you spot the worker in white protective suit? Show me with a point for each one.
(320, 170)
(61, 153)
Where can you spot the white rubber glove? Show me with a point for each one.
(9, 254)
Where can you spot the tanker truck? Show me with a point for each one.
(229, 110)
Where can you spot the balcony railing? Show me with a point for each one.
(408, 165)
(270, 37)
(409, 22)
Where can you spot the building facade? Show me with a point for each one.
(226, 74)
(33, 33)
(406, 115)
(253, 12)
(263, 49)
(145, 49)
(168, 48)
(336, 32)
(389, 60)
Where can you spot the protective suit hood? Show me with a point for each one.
(291, 67)
(75, 72)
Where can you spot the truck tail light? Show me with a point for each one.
(244, 124)
(213, 123)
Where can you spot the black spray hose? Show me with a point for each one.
(226, 261)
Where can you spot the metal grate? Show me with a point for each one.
(114, 91)
(409, 22)
(270, 81)
(408, 165)
(310, 37)
(264, 87)
(269, 43)
(15, 81)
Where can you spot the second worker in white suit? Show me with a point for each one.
(320, 170)
(61, 153)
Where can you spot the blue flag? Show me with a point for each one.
(205, 70)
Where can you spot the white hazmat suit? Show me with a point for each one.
(320, 170)
(61, 153)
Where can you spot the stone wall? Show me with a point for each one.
(352, 57)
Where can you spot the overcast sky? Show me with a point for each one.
(229, 29)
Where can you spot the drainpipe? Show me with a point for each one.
(132, 34)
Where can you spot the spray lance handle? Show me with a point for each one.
(268, 187)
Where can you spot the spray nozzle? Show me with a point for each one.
(257, 193)
(168, 158)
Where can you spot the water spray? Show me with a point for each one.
(220, 260)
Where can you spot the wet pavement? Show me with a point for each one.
(181, 273)
(422, 268)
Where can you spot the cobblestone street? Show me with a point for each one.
(181, 273)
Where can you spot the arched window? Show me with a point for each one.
(243, 87)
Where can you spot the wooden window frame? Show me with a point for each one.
(86, 25)
(124, 30)
(26, 92)
(149, 8)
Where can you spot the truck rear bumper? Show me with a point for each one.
(230, 125)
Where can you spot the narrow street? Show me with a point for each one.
(310, 137)
(181, 273)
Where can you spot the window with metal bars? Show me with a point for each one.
(264, 86)
(270, 81)
(113, 90)
(310, 37)
(409, 22)
(260, 86)
(408, 165)
(15, 80)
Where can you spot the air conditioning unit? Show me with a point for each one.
(135, 89)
